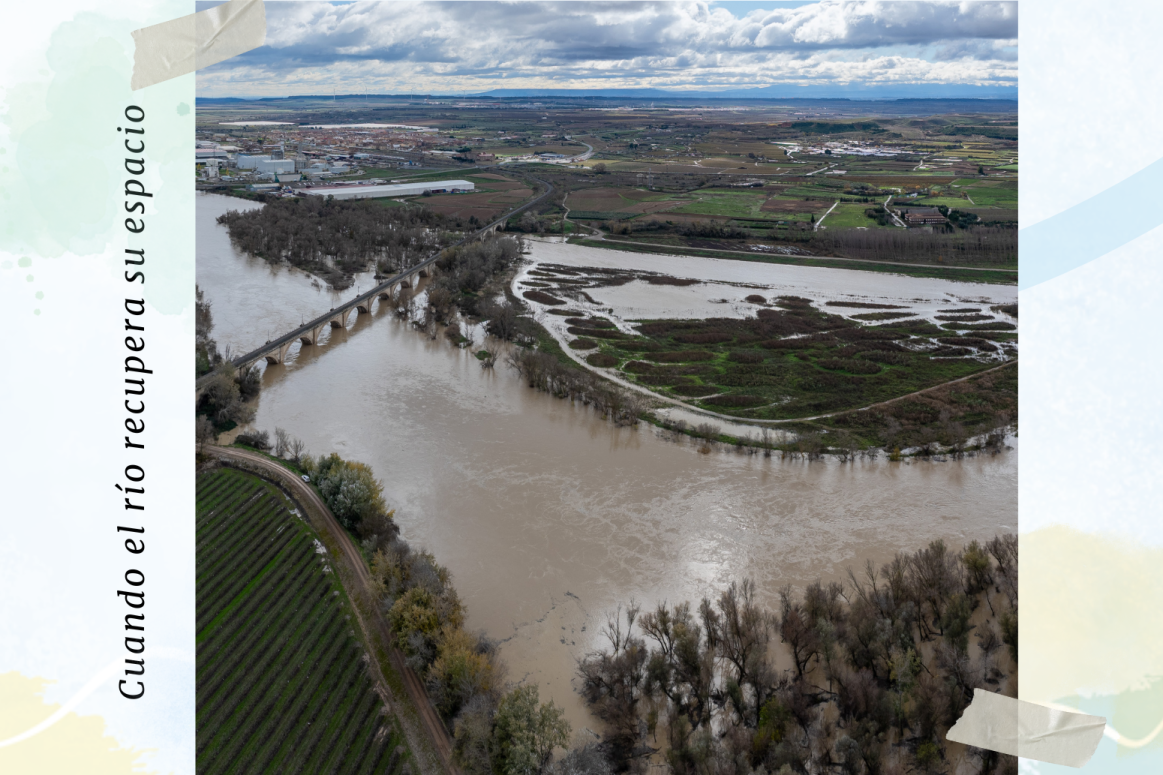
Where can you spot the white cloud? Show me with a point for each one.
(469, 45)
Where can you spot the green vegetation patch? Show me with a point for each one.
(282, 683)
(793, 362)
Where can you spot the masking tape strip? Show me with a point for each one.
(1031, 731)
(181, 46)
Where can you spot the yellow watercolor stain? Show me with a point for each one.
(74, 744)
(1089, 625)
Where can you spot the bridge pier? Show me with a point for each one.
(365, 308)
(340, 319)
(279, 355)
(312, 338)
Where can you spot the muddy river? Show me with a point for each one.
(549, 516)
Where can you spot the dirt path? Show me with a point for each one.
(825, 215)
(434, 735)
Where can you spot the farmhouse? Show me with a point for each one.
(922, 216)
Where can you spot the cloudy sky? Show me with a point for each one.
(394, 46)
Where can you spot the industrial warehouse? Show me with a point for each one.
(399, 189)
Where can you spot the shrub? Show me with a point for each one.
(965, 318)
(526, 732)
(861, 305)
(996, 325)
(254, 439)
(883, 315)
(541, 297)
(877, 356)
(348, 488)
(583, 344)
(1008, 309)
(694, 390)
(849, 365)
(602, 360)
(600, 333)
(462, 670)
(590, 322)
(414, 612)
(745, 356)
(968, 341)
(683, 356)
(733, 399)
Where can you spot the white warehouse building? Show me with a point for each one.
(398, 189)
(276, 165)
(249, 162)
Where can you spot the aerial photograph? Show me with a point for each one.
(587, 388)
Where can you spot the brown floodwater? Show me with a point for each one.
(549, 516)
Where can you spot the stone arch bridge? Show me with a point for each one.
(276, 350)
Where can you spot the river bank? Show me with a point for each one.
(549, 516)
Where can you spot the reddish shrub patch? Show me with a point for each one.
(603, 360)
(541, 297)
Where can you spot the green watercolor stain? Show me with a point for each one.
(6, 265)
(183, 109)
(29, 278)
(36, 312)
(25, 261)
(40, 294)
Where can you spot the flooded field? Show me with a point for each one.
(547, 515)
(721, 287)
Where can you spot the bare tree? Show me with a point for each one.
(296, 447)
(204, 433)
(282, 442)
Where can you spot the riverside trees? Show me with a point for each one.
(496, 729)
(879, 667)
(335, 239)
(499, 730)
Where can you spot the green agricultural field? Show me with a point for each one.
(733, 204)
(793, 361)
(282, 685)
(850, 216)
(1005, 198)
(948, 201)
(819, 193)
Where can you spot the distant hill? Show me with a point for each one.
(844, 92)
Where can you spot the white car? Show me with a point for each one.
(306, 478)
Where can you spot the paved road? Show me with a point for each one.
(324, 521)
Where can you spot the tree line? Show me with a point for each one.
(995, 245)
(499, 728)
(880, 667)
